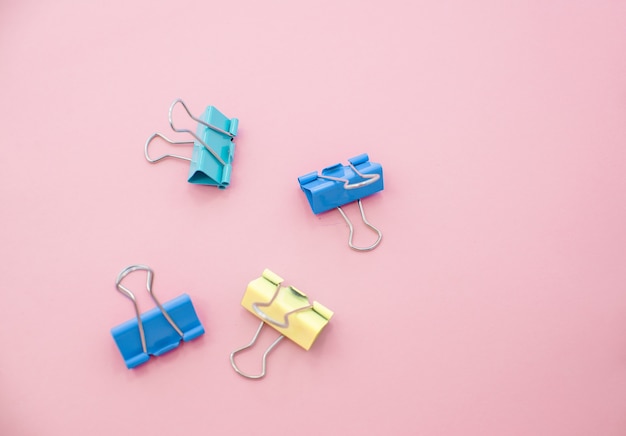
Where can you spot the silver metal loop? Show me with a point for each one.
(128, 293)
(367, 223)
(285, 323)
(370, 178)
(149, 159)
(267, 351)
(210, 126)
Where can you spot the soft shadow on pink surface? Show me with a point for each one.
(494, 304)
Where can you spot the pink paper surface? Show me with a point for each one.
(495, 304)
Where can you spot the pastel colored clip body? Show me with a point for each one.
(213, 146)
(286, 309)
(339, 185)
(158, 330)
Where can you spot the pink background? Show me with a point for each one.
(496, 303)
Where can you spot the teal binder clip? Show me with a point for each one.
(157, 331)
(213, 146)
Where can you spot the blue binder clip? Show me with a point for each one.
(213, 148)
(339, 184)
(157, 331)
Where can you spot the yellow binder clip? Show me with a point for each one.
(286, 309)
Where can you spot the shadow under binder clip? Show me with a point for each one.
(339, 184)
(158, 330)
(286, 309)
(213, 147)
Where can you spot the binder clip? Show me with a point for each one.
(213, 148)
(158, 330)
(286, 309)
(339, 184)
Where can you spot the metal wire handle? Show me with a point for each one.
(367, 223)
(271, 320)
(252, 342)
(210, 126)
(171, 120)
(370, 178)
(127, 293)
(151, 138)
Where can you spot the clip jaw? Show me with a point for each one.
(213, 146)
(158, 330)
(287, 310)
(339, 185)
(212, 165)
